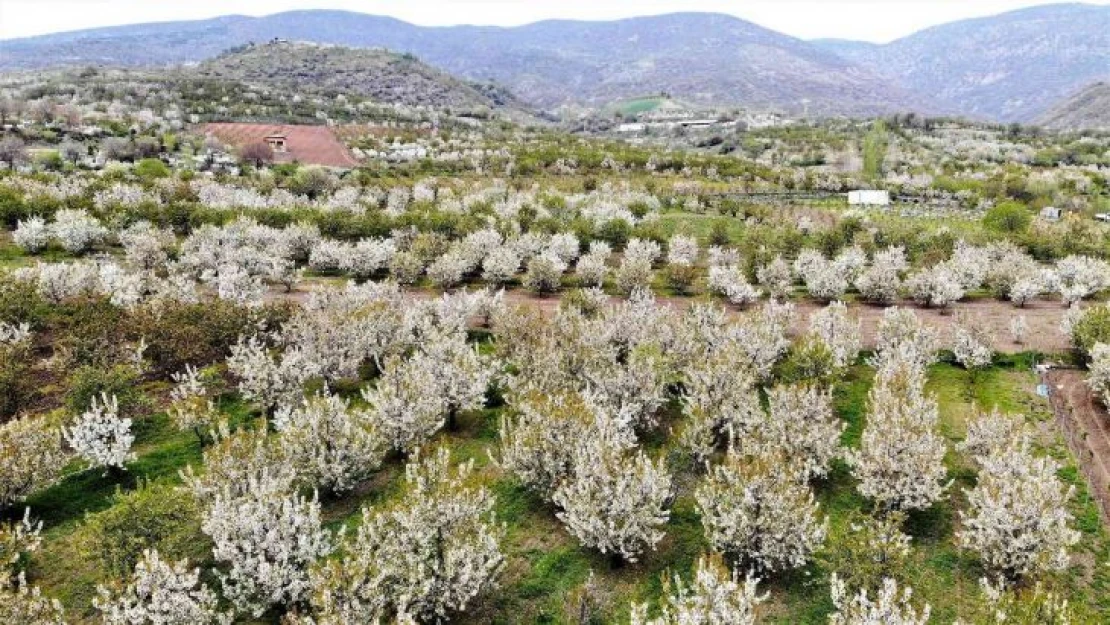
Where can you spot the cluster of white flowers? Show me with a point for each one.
(1098, 378)
(101, 436)
(268, 538)
(161, 592)
(825, 279)
(730, 281)
(900, 461)
(423, 560)
(839, 332)
(31, 234)
(776, 277)
(1018, 519)
(888, 607)
(33, 458)
(332, 446)
(758, 509)
(714, 597)
(614, 501)
(973, 344)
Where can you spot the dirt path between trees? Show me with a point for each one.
(1042, 317)
(1086, 426)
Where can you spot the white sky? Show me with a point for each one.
(868, 20)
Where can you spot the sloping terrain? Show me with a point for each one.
(378, 74)
(1089, 109)
(314, 145)
(1009, 67)
(702, 58)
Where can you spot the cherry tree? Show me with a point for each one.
(1078, 277)
(730, 281)
(881, 281)
(615, 501)
(994, 432)
(33, 458)
(1018, 518)
(268, 539)
(759, 510)
(839, 332)
(76, 230)
(592, 268)
(544, 274)
(25, 604)
(900, 460)
(901, 336)
(100, 436)
(888, 607)
(500, 265)
(633, 273)
(537, 446)
(776, 277)
(718, 399)
(426, 558)
(332, 446)
(407, 413)
(801, 422)
(716, 596)
(936, 287)
(190, 404)
(236, 461)
(31, 234)
(972, 343)
(266, 381)
(161, 592)
(1019, 328)
(1098, 377)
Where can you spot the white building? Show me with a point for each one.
(869, 198)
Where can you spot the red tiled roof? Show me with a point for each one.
(314, 145)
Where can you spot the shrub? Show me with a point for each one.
(201, 333)
(1093, 328)
(153, 516)
(89, 383)
(17, 387)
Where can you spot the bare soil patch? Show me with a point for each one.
(1086, 426)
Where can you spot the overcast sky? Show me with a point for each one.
(868, 20)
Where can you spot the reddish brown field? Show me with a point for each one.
(313, 145)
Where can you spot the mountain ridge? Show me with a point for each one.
(550, 64)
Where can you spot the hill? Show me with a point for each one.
(1009, 67)
(701, 58)
(1088, 109)
(381, 75)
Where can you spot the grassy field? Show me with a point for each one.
(546, 569)
(635, 106)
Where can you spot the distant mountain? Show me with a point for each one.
(1010, 67)
(383, 76)
(700, 58)
(1089, 109)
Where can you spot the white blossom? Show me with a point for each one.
(161, 593)
(839, 332)
(426, 558)
(900, 461)
(715, 597)
(268, 540)
(615, 501)
(758, 510)
(100, 436)
(31, 234)
(889, 606)
(1098, 377)
(331, 445)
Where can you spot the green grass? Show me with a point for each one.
(636, 106)
(545, 566)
